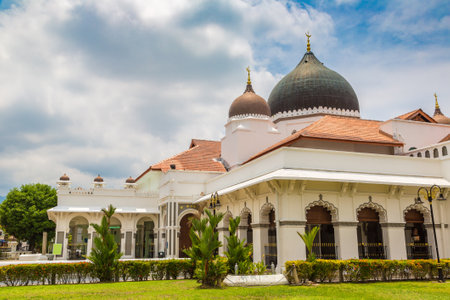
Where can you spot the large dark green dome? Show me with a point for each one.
(312, 88)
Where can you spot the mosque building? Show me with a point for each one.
(303, 158)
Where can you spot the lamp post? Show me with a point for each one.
(214, 202)
(432, 194)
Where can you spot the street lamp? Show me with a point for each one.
(214, 202)
(430, 195)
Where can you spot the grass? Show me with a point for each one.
(188, 289)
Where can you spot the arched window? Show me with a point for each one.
(412, 155)
(370, 237)
(416, 239)
(419, 154)
(324, 246)
(435, 153)
(427, 154)
(444, 151)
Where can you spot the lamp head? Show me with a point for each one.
(418, 200)
(441, 197)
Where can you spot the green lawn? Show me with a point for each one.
(188, 289)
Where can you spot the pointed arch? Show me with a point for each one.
(264, 212)
(375, 206)
(329, 206)
(420, 208)
(245, 212)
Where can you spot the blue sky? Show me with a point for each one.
(112, 87)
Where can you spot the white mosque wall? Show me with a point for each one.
(102, 197)
(415, 134)
(287, 126)
(244, 137)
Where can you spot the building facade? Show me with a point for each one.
(303, 158)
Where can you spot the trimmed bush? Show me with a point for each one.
(83, 272)
(361, 270)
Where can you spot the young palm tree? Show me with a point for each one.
(308, 239)
(104, 255)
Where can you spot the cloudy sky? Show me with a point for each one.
(111, 87)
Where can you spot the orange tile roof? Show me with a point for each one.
(418, 113)
(199, 157)
(447, 138)
(334, 128)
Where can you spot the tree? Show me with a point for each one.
(308, 239)
(237, 252)
(205, 242)
(23, 213)
(104, 255)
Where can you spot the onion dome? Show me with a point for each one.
(130, 180)
(438, 115)
(312, 88)
(249, 104)
(64, 177)
(98, 179)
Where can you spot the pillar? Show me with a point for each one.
(44, 243)
(291, 246)
(223, 233)
(260, 240)
(346, 238)
(394, 239)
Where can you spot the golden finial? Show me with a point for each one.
(248, 78)
(437, 104)
(308, 46)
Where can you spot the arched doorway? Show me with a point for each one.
(416, 236)
(185, 240)
(370, 236)
(145, 238)
(115, 227)
(78, 238)
(324, 246)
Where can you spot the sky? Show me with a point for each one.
(111, 87)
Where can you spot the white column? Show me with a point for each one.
(346, 239)
(394, 239)
(223, 232)
(430, 238)
(260, 240)
(90, 240)
(291, 246)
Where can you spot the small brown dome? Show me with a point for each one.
(98, 179)
(64, 177)
(130, 180)
(249, 104)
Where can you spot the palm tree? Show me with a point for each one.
(308, 239)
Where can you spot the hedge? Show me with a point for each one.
(64, 273)
(361, 270)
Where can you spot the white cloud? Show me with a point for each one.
(110, 87)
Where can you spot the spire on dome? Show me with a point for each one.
(437, 110)
(308, 45)
(249, 87)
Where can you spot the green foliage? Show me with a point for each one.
(23, 213)
(104, 255)
(237, 252)
(205, 242)
(361, 270)
(217, 271)
(308, 239)
(259, 268)
(64, 273)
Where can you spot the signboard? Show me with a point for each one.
(57, 249)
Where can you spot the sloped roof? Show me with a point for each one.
(417, 115)
(447, 138)
(200, 156)
(335, 128)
